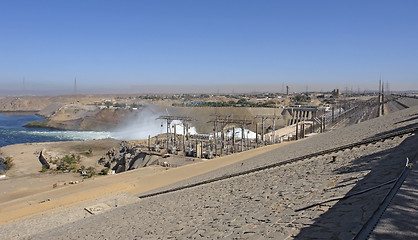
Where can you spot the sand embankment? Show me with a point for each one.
(25, 179)
(262, 204)
(121, 186)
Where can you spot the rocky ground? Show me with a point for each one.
(265, 204)
(26, 156)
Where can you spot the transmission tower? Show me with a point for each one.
(75, 86)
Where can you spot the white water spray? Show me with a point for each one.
(146, 124)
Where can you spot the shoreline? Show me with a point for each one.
(21, 112)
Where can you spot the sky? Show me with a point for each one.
(228, 45)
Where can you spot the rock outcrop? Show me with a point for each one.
(43, 161)
(3, 163)
(68, 113)
(127, 157)
(19, 104)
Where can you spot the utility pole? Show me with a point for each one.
(184, 136)
(379, 98)
(383, 99)
(233, 140)
(75, 86)
(263, 118)
(171, 119)
(223, 121)
(262, 130)
(214, 134)
(256, 134)
(387, 88)
(242, 137)
(24, 86)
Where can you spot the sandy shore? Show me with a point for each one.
(25, 178)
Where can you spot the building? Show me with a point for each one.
(336, 93)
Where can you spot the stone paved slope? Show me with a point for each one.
(263, 204)
(400, 220)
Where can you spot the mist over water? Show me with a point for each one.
(146, 124)
(238, 133)
(143, 125)
(13, 132)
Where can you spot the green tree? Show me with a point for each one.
(108, 104)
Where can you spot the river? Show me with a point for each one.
(13, 132)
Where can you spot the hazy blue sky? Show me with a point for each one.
(120, 45)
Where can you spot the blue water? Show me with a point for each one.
(13, 132)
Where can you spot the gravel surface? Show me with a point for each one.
(263, 204)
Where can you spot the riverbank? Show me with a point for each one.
(25, 177)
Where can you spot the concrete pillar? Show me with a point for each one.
(292, 121)
(201, 149)
(274, 130)
(303, 129)
(198, 149)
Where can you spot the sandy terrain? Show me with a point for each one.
(261, 204)
(25, 156)
(73, 198)
(25, 178)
